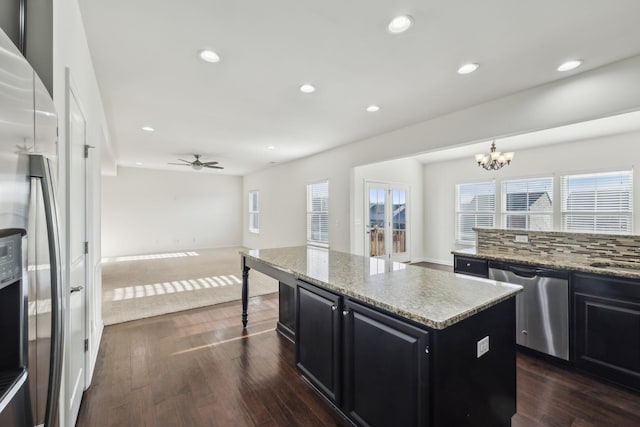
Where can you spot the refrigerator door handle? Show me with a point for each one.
(40, 169)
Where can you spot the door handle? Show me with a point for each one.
(76, 288)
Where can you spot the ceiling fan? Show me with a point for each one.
(197, 164)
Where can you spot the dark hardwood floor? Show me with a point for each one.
(200, 368)
(433, 265)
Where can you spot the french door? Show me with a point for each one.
(387, 221)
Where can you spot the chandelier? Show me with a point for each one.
(495, 159)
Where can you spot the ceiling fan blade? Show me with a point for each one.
(210, 163)
(182, 160)
(180, 164)
(213, 167)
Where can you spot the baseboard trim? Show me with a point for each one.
(94, 355)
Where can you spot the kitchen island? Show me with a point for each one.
(392, 344)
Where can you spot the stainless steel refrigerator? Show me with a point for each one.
(31, 302)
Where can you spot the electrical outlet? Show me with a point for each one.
(523, 238)
(483, 346)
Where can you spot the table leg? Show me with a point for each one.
(245, 292)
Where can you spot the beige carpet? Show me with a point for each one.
(150, 285)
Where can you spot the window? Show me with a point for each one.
(527, 204)
(318, 213)
(475, 207)
(599, 202)
(254, 211)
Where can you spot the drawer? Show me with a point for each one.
(471, 266)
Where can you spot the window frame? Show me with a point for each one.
(254, 213)
(311, 213)
(564, 211)
(458, 212)
(504, 213)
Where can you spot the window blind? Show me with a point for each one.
(318, 213)
(527, 204)
(599, 202)
(475, 207)
(254, 211)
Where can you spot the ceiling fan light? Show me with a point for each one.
(196, 166)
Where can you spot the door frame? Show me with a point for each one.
(389, 187)
(72, 91)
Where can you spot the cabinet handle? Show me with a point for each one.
(524, 331)
(334, 307)
(76, 289)
(426, 349)
(468, 264)
(345, 312)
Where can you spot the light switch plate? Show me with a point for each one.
(483, 346)
(522, 238)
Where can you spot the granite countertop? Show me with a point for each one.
(434, 298)
(572, 262)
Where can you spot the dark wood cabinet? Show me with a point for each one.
(471, 266)
(386, 364)
(318, 339)
(287, 310)
(607, 327)
(379, 369)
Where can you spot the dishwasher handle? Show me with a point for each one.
(529, 271)
(524, 271)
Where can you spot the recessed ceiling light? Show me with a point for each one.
(569, 65)
(209, 56)
(271, 147)
(400, 24)
(148, 129)
(307, 88)
(139, 163)
(468, 68)
(373, 108)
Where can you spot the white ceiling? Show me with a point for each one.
(145, 57)
(614, 125)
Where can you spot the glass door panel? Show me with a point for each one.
(399, 215)
(377, 221)
(386, 221)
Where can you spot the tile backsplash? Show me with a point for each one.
(614, 247)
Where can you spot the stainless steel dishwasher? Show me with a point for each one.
(542, 308)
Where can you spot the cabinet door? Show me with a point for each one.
(386, 369)
(608, 338)
(287, 310)
(318, 338)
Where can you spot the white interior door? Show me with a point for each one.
(387, 221)
(76, 226)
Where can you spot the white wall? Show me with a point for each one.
(150, 211)
(406, 171)
(598, 93)
(620, 152)
(70, 49)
